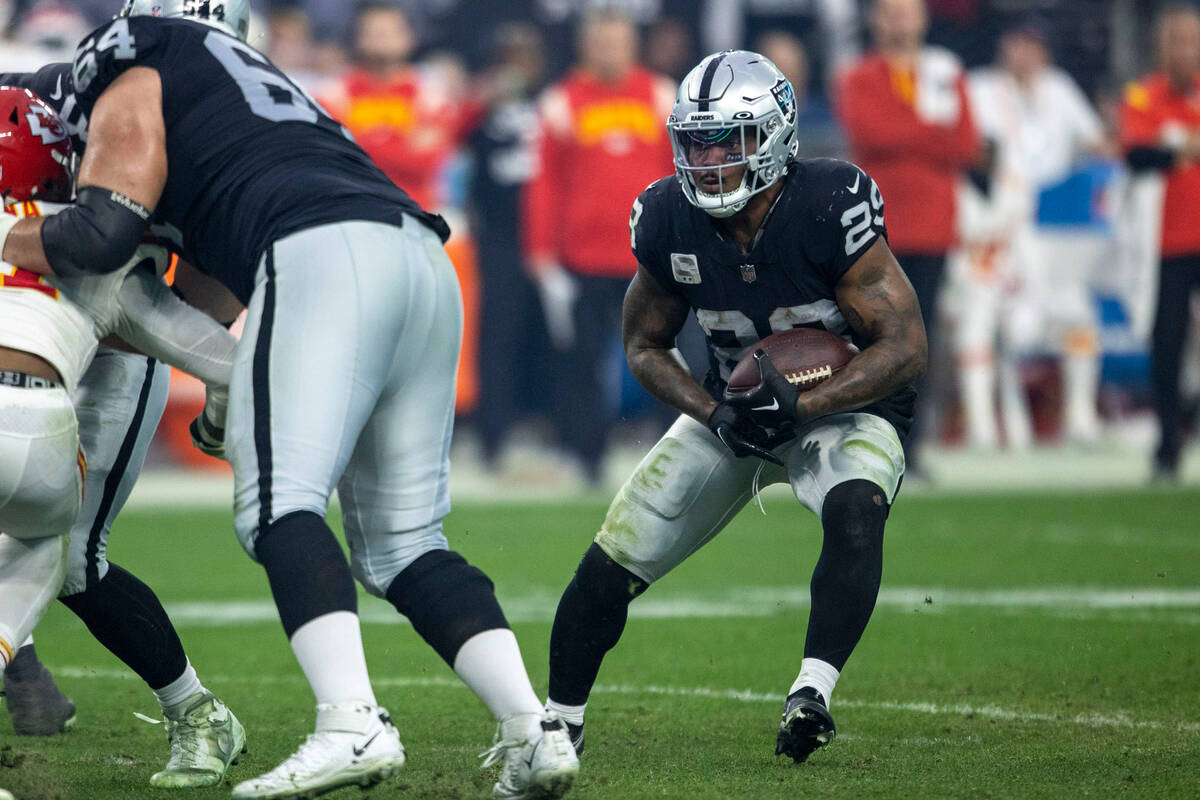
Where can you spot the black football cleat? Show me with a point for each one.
(576, 734)
(806, 725)
(36, 705)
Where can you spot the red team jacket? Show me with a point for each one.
(408, 125)
(916, 164)
(601, 144)
(1152, 114)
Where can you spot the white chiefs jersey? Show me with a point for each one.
(37, 318)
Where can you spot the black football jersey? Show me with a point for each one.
(251, 157)
(828, 214)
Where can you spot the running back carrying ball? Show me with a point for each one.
(805, 356)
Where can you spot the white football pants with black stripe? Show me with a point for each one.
(41, 480)
(345, 378)
(119, 403)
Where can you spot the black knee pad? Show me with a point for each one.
(307, 570)
(604, 581)
(447, 600)
(857, 510)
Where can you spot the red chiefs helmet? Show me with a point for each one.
(35, 149)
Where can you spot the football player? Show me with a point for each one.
(49, 331)
(344, 375)
(754, 240)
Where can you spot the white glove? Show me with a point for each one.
(558, 292)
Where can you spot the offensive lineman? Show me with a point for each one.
(118, 402)
(49, 331)
(754, 241)
(340, 268)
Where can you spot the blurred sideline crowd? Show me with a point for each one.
(1039, 161)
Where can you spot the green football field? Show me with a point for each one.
(1024, 646)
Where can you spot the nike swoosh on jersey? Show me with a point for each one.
(358, 751)
(854, 186)
(57, 93)
(773, 407)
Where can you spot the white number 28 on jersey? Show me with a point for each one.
(857, 220)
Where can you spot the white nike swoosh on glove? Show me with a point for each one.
(773, 407)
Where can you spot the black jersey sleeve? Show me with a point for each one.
(108, 51)
(51, 82)
(845, 216)
(648, 224)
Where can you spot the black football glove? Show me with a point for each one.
(771, 404)
(741, 436)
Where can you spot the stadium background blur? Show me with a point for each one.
(464, 139)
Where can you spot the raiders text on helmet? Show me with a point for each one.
(734, 109)
(231, 16)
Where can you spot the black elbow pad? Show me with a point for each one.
(94, 236)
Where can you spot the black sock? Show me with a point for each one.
(591, 617)
(307, 570)
(25, 665)
(845, 582)
(126, 617)
(447, 601)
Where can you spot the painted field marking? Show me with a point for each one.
(762, 601)
(1120, 719)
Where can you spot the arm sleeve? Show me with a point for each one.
(156, 322)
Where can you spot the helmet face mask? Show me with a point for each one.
(733, 130)
(35, 149)
(230, 16)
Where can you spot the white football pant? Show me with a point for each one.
(41, 480)
(345, 378)
(690, 485)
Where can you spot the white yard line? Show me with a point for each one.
(1120, 719)
(766, 601)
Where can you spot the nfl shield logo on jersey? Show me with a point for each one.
(685, 268)
(749, 274)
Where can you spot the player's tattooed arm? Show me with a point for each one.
(650, 320)
(877, 300)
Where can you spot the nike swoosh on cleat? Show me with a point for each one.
(854, 186)
(773, 407)
(358, 751)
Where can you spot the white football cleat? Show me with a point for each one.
(539, 760)
(355, 744)
(205, 739)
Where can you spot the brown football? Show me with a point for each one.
(805, 356)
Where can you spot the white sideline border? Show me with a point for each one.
(1120, 719)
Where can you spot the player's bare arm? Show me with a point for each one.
(120, 180)
(877, 300)
(206, 293)
(650, 320)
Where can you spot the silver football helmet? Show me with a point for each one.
(231, 16)
(734, 109)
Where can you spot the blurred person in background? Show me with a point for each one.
(1160, 130)
(289, 45)
(404, 115)
(827, 29)
(670, 48)
(788, 53)
(905, 111)
(602, 142)
(1038, 123)
(505, 158)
